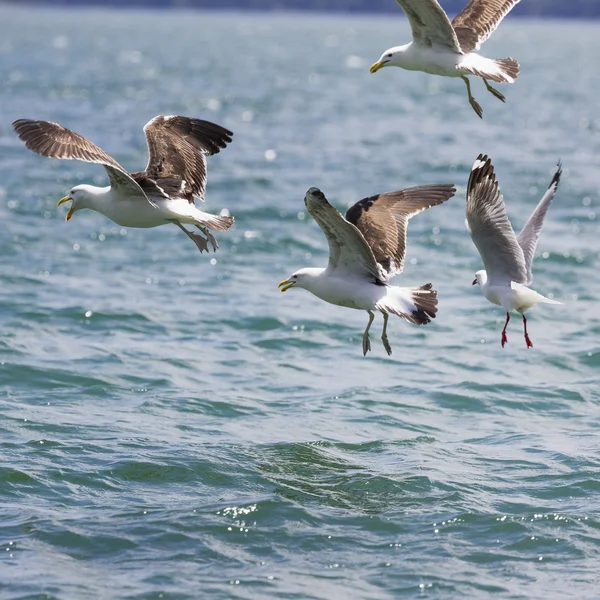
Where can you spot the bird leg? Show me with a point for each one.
(527, 340)
(384, 337)
(197, 239)
(494, 91)
(366, 340)
(476, 106)
(209, 236)
(504, 338)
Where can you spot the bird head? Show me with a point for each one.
(299, 279)
(390, 57)
(78, 196)
(480, 277)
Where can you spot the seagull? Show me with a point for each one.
(366, 249)
(449, 49)
(163, 193)
(506, 257)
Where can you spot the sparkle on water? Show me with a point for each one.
(173, 427)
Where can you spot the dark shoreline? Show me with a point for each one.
(579, 9)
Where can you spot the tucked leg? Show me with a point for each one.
(384, 337)
(209, 236)
(476, 107)
(504, 338)
(494, 91)
(366, 340)
(197, 239)
(527, 340)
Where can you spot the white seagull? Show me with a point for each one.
(366, 249)
(506, 257)
(163, 193)
(449, 49)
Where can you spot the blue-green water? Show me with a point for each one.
(173, 427)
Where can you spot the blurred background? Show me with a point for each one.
(171, 426)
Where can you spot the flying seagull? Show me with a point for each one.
(449, 49)
(366, 249)
(163, 193)
(506, 257)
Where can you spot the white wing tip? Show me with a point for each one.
(480, 162)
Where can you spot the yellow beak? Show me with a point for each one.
(71, 211)
(376, 66)
(285, 285)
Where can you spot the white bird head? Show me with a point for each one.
(301, 278)
(81, 196)
(480, 277)
(393, 57)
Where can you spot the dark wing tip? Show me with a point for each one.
(205, 135)
(482, 170)
(18, 124)
(556, 179)
(39, 136)
(316, 193)
(25, 126)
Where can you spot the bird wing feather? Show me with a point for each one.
(530, 234)
(348, 251)
(430, 24)
(490, 228)
(478, 20)
(383, 221)
(55, 141)
(178, 147)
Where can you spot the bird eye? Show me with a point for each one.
(390, 55)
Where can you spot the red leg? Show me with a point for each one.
(527, 340)
(504, 338)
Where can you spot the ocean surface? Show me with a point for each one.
(171, 426)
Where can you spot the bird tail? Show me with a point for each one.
(215, 222)
(504, 70)
(416, 305)
(508, 69)
(550, 301)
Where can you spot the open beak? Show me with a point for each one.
(285, 285)
(71, 211)
(474, 282)
(377, 65)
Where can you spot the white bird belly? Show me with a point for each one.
(435, 61)
(134, 213)
(495, 294)
(516, 297)
(356, 293)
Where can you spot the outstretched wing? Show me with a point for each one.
(178, 147)
(55, 141)
(490, 228)
(478, 20)
(530, 234)
(348, 251)
(383, 220)
(430, 24)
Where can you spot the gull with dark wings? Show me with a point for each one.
(163, 193)
(441, 47)
(506, 257)
(366, 249)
